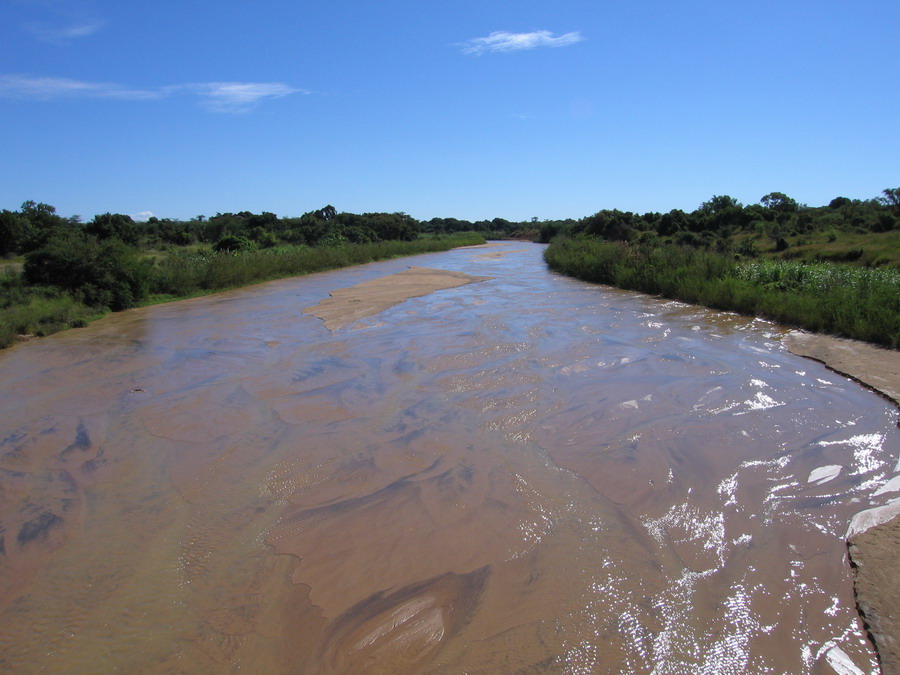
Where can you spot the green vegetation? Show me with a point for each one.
(856, 302)
(864, 232)
(61, 274)
(37, 310)
(832, 269)
(193, 272)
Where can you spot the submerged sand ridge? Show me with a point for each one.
(522, 474)
(348, 305)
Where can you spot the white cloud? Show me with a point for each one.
(142, 216)
(502, 41)
(216, 96)
(239, 96)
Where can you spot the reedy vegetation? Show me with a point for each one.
(832, 269)
(855, 302)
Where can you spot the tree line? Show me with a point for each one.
(722, 223)
(36, 224)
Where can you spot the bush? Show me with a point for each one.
(99, 273)
(234, 243)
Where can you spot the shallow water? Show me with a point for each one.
(526, 473)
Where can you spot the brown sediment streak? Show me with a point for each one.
(347, 305)
(401, 631)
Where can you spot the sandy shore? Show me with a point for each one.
(874, 536)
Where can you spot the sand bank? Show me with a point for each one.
(347, 305)
(875, 367)
(873, 539)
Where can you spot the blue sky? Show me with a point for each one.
(465, 109)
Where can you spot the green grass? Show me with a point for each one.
(871, 249)
(37, 310)
(851, 301)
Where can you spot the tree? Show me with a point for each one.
(718, 203)
(891, 198)
(326, 213)
(838, 202)
(779, 202)
(32, 209)
(115, 225)
(672, 222)
(14, 231)
(43, 222)
(612, 224)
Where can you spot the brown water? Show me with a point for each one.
(523, 474)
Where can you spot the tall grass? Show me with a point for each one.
(37, 310)
(193, 272)
(855, 302)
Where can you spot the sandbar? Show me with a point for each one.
(347, 305)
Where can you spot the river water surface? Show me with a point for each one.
(527, 473)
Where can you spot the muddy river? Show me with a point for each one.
(525, 473)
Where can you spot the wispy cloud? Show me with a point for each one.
(502, 41)
(60, 21)
(23, 86)
(215, 96)
(239, 96)
(58, 33)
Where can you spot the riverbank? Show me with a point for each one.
(857, 302)
(874, 539)
(29, 311)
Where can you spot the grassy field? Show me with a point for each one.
(847, 300)
(41, 310)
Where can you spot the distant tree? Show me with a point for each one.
(718, 203)
(116, 225)
(779, 202)
(672, 222)
(15, 230)
(891, 198)
(326, 213)
(720, 213)
(612, 224)
(43, 222)
(32, 209)
(838, 202)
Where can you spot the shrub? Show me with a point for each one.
(101, 274)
